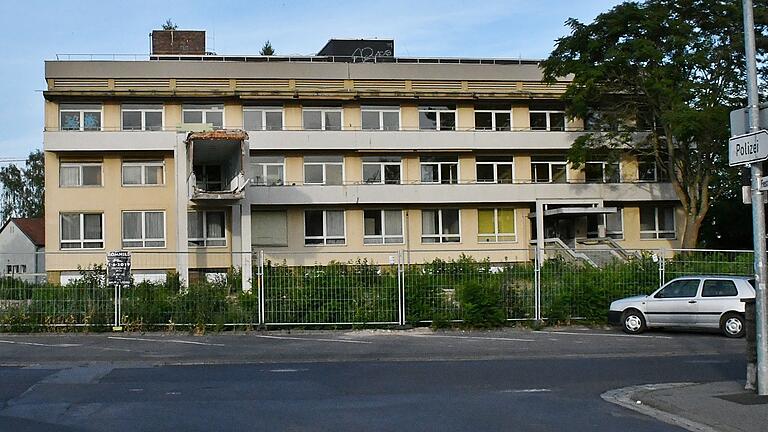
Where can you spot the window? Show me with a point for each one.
(602, 172)
(496, 225)
(439, 169)
(262, 118)
(82, 230)
(80, 117)
(495, 169)
(440, 226)
(142, 117)
(16, 268)
(437, 117)
(383, 226)
(143, 229)
(679, 289)
(324, 170)
(657, 223)
(268, 170)
(208, 177)
(719, 288)
(212, 114)
(546, 169)
(322, 118)
(79, 174)
(143, 173)
(324, 227)
(493, 120)
(381, 118)
(206, 228)
(381, 169)
(613, 223)
(547, 121)
(649, 171)
(269, 228)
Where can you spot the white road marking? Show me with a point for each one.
(473, 337)
(533, 390)
(287, 370)
(63, 345)
(602, 334)
(312, 339)
(164, 340)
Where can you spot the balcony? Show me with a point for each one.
(410, 140)
(216, 171)
(468, 193)
(110, 140)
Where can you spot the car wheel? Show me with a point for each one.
(732, 325)
(632, 321)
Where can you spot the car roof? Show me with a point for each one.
(746, 278)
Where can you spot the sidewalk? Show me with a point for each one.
(719, 406)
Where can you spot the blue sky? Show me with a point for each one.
(34, 30)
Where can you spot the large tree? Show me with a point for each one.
(671, 68)
(23, 188)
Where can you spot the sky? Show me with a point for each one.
(33, 31)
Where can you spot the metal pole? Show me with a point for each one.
(758, 207)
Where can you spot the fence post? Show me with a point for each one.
(400, 288)
(537, 284)
(662, 267)
(262, 290)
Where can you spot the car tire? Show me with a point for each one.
(732, 325)
(632, 321)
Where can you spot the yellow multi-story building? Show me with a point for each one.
(201, 159)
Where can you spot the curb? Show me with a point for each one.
(625, 397)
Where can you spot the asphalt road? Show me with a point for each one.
(337, 381)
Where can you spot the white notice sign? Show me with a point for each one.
(745, 149)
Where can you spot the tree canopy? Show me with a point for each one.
(670, 68)
(267, 49)
(23, 188)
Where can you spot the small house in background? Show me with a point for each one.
(22, 248)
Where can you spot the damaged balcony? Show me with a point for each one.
(217, 160)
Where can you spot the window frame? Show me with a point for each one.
(657, 232)
(205, 238)
(381, 109)
(382, 168)
(144, 240)
(82, 240)
(494, 125)
(384, 236)
(80, 165)
(143, 112)
(325, 238)
(264, 110)
(81, 112)
(325, 171)
(440, 165)
(594, 234)
(323, 111)
(144, 164)
(603, 166)
(439, 110)
(550, 164)
(265, 165)
(548, 114)
(495, 165)
(496, 234)
(658, 177)
(214, 107)
(441, 238)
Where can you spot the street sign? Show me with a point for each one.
(119, 268)
(748, 148)
(740, 120)
(764, 183)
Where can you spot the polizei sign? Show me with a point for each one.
(748, 148)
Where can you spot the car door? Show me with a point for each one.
(675, 304)
(717, 296)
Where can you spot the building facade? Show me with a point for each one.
(192, 162)
(22, 249)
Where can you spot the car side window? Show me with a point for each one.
(719, 288)
(679, 289)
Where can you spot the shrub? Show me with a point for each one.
(481, 304)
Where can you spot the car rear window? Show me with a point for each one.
(719, 288)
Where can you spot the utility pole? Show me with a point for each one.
(758, 207)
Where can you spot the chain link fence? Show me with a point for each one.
(381, 288)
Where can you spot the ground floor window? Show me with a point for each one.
(496, 225)
(613, 223)
(383, 226)
(269, 228)
(657, 222)
(324, 227)
(440, 226)
(206, 228)
(82, 230)
(143, 229)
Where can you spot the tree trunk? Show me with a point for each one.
(691, 232)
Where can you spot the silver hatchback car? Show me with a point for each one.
(692, 301)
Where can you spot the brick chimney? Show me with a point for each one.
(178, 42)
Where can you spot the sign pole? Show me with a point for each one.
(758, 207)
